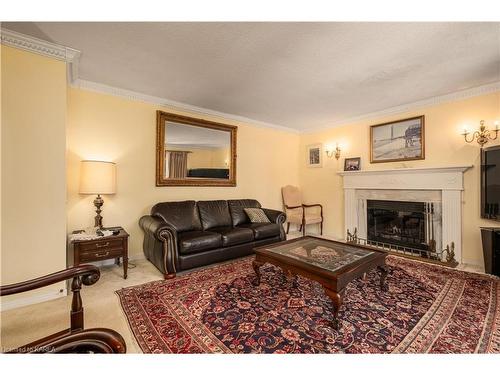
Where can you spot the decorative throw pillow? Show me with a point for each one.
(256, 215)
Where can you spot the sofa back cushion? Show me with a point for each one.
(237, 209)
(214, 214)
(183, 216)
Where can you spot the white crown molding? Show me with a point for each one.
(132, 95)
(56, 51)
(429, 102)
(72, 56)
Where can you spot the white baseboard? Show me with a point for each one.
(31, 300)
(474, 263)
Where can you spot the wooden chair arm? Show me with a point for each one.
(315, 205)
(292, 207)
(89, 274)
(94, 340)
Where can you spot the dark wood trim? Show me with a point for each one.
(422, 157)
(90, 274)
(161, 117)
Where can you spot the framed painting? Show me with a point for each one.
(314, 155)
(400, 140)
(352, 164)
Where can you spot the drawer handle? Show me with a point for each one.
(103, 245)
(102, 255)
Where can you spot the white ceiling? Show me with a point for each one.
(297, 75)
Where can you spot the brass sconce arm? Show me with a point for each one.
(335, 152)
(482, 135)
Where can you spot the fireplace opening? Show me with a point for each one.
(406, 224)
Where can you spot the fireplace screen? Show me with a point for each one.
(406, 224)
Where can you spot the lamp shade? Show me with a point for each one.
(97, 177)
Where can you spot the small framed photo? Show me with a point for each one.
(352, 164)
(400, 140)
(314, 155)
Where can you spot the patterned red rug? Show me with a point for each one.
(426, 309)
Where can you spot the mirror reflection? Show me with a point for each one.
(196, 152)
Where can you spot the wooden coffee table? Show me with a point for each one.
(331, 263)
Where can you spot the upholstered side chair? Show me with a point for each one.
(298, 212)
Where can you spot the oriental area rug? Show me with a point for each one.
(425, 309)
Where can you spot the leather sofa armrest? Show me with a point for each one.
(156, 226)
(160, 244)
(275, 216)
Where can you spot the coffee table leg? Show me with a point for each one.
(383, 274)
(337, 302)
(256, 267)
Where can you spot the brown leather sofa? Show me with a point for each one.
(183, 235)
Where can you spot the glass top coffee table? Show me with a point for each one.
(331, 263)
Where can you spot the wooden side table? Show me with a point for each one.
(110, 247)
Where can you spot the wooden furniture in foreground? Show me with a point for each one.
(331, 263)
(75, 339)
(298, 212)
(491, 250)
(110, 247)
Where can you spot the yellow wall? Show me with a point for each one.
(33, 168)
(444, 146)
(109, 128)
(40, 117)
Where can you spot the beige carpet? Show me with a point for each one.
(101, 305)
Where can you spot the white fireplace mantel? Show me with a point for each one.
(437, 178)
(447, 181)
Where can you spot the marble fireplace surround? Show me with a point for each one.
(441, 185)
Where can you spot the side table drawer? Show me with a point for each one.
(100, 248)
(101, 254)
(101, 245)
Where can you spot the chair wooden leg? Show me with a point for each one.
(303, 229)
(300, 228)
(287, 227)
(321, 228)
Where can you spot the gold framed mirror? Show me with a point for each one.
(194, 152)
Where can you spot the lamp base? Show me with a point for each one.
(98, 202)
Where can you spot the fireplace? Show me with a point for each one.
(401, 223)
(441, 186)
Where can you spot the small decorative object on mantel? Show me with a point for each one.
(97, 177)
(482, 135)
(398, 140)
(314, 158)
(352, 164)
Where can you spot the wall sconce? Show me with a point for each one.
(330, 152)
(482, 135)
